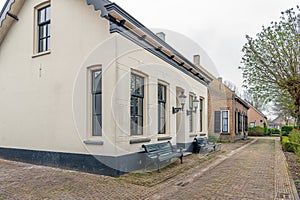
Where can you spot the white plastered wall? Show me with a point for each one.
(44, 99)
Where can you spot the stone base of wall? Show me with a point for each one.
(104, 165)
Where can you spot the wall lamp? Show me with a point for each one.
(181, 99)
(195, 103)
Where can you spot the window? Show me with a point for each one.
(252, 124)
(221, 120)
(240, 123)
(191, 115)
(217, 120)
(201, 114)
(43, 23)
(236, 121)
(245, 123)
(136, 105)
(96, 93)
(162, 100)
(225, 121)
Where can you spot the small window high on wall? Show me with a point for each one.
(43, 28)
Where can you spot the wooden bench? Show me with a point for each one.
(157, 153)
(202, 145)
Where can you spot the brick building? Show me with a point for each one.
(256, 117)
(227, 112)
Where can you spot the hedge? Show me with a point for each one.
(256, 131)
(286, 130)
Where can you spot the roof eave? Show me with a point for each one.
(123, 22)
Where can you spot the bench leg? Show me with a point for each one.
(181, 159)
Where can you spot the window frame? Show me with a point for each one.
(137, 97)
(36, 49)
(201, 108)
(164, 103)
(191, 116)
(222, 123)
(91, 94)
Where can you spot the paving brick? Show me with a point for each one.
(256, 171)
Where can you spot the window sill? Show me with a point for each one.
(93, 142)
(140, 140)
(225, 133)
(202, 134)
(41, 54)
(164, 138)
(193, 135)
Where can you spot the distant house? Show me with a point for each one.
(280, 121)
(256, 117)
(84, 85)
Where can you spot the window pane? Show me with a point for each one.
(140, 107)
(44, 46)
(97, 82)
(191, 98)
(43, 31)
(41, 16)
(133, 125)
(140, 126)
(159, 92)
(97, 122)
(48, 30)
(132, 84)
(48, 13)
(137, 85)
(48, 43)
(98, 104)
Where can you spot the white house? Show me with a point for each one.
(84, 85)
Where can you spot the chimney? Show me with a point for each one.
(161, 35)
(197, 60)
(220, 79)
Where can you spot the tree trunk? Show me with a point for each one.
(297, 105)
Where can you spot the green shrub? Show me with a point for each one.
(256, 131)
(294, 136)
(212, 138)
(284, 133)
(287, 129)
(276, 131)
(290, 146)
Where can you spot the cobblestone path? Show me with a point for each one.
(254, 171)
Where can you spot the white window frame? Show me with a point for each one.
(191, 117)
(145, 102)
(201, 115)
(36, 29)
(90, 101)
(252, 123)
(167, 109)
(228, 121)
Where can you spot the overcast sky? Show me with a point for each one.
(218, 26)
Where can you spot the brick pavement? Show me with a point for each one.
(257, 171)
